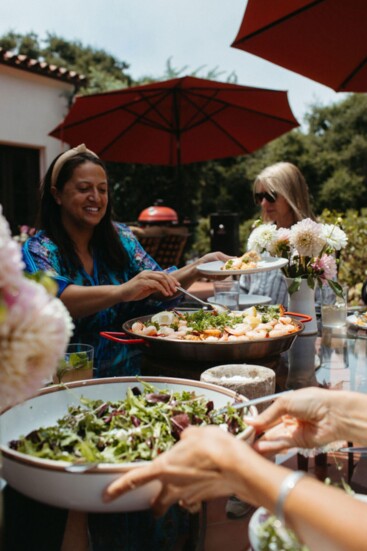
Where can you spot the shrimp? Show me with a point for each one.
(166, 331)
(278, 333)
(237, 330)
(266, 326)
(284, 328)
(286, 320)
(138, 327)
(252, 335)
(150, 331)
(241, 338)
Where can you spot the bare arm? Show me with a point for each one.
(198, 469)
(84, 301)
(189, 273)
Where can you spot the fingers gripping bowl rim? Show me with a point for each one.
(48, 481)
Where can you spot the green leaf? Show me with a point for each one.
(295, 285)
(336, 287)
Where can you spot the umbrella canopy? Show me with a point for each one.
(321, 39)
(178, 121)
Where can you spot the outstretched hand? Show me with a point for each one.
(305, 418)
(149, 282)
(190, 472)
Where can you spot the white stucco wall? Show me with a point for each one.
(30, 107)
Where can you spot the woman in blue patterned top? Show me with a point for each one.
(104, 275)
(104, 278)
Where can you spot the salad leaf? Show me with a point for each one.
(138, 427)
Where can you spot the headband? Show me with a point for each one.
(65, 157)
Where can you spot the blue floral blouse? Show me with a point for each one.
(110, 358)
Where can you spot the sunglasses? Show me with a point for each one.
(270, 197)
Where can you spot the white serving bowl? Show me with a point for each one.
(48, 481)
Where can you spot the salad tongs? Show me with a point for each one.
(254, 402)
(355, 449)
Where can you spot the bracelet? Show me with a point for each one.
(286, 487)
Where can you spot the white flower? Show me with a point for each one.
(33, 338)
(280, 243)
(335, 237)
(261, 238)
(11, 265)
(307, 238)
(35, 327)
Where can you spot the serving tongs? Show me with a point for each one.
(217, 307)
(355, 449)
(254, 402)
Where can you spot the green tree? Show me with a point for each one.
(102, 70)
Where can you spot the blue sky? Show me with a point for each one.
(146, 33)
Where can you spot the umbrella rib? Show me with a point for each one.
(226, 105)
(215, 123)
(140, 119)
(351, 75)
(277, 22)
(113, 110)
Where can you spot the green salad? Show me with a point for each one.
(273, 536)
(139, 427)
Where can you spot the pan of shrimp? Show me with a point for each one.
(207, 335)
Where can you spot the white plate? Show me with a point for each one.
(245, 301)
(265, 265)
(352, 320)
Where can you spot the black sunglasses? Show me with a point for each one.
(270, 197)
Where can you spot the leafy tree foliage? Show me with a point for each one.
(331, 153)
(103, 70)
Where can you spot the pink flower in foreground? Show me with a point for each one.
(325, 267)
(33, 337)
(11, 264)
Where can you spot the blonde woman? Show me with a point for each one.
(282, 193)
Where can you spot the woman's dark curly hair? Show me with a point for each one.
(105, 239)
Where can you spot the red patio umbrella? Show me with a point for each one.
(178, 121)
(323, 40)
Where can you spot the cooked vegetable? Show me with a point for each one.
(139, 427)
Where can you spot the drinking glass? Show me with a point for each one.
(333, 307)
(77, 363)
(226, 293)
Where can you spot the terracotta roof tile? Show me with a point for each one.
(26, 63)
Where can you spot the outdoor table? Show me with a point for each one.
(333, 358)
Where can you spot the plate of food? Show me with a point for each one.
(242, 265)
(359, 321)
(65, 445)
(245, 300)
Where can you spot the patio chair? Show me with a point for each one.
(165, 244)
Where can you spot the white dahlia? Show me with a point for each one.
(262, 238)
(307, 238)
(335, 237)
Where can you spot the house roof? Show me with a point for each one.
(26, 63)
